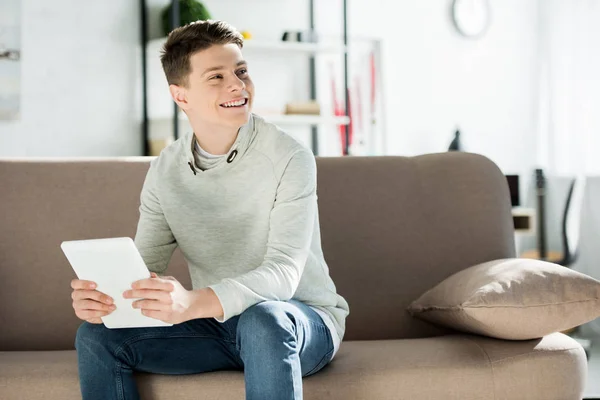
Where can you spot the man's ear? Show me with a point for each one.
(179, 95)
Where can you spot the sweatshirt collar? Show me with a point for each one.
(239, 148)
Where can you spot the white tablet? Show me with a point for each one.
(113, 264)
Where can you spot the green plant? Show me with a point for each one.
(189, 11)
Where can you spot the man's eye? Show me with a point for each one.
(216, 77)
(242, 71)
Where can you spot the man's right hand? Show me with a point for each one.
(90, 304)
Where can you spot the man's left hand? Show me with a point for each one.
(162, 298)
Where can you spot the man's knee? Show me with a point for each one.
(265, 319)
(86, 332)
(96, 338)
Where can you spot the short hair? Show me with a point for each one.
(185, 41)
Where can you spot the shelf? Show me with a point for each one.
(295, 119)
(274, 46)
(294, 47)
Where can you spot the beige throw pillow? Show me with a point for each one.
(514, 299)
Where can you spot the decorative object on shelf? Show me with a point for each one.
(9, 54)
(471, 17)
(10, 64)
(360, 101)
(338, 110)
(363, 101)
(350, 137)
(309, 36)
(373, 87)
(455, 145)
(303, 108)
(358, 120)
(189, 11)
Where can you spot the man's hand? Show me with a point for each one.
(90, 304)
(163, 298)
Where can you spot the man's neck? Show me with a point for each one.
(214, 139)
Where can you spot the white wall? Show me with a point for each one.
(80, 70)
(437, 80)
(77, 80)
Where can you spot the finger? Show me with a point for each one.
(151, 305)
(89, 314)
(153, 275)
(153, 283)
(160, 315)
(81, 284)
(159, 295)
(92, 305)
(91, 295)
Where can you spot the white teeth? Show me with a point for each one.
(235, 103)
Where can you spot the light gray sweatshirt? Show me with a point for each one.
(248, 226)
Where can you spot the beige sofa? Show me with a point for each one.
(392, 227)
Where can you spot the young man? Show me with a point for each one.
(238, 197)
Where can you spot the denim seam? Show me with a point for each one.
(318, 324)
(320, 364)
(327, 355)
(322, 325)
(120, 390)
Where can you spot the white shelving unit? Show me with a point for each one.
(278, 46)
(296, 47)
(164, 123)
(154, 86)
(158, 123)
(306, 119)
(296, 119)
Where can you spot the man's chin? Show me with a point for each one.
(238, 119)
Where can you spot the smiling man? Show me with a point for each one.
(238, 196)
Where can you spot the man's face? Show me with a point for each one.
(220, 91)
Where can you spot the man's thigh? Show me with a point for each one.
(194, 346)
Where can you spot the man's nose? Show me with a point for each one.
(237, 84)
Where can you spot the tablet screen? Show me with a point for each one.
(113, 264)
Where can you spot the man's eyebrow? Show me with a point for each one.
(219, 67)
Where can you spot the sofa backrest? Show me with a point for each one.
(392, 227)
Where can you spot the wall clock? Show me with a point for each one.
(471, 17)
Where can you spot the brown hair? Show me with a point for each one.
(185, 41)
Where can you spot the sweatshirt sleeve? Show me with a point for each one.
(290, 234)
(153, 238)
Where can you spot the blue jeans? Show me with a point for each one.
(275, 343)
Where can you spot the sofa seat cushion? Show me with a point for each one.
(465, 367)
(460, 366)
